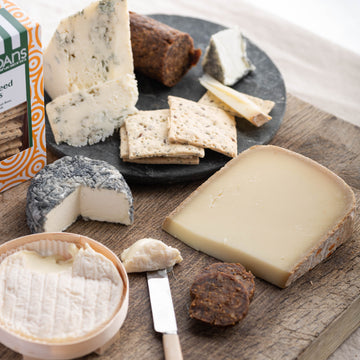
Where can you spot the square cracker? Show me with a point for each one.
(210, 99)
(202, 125)
(124, 154)
(147, 137)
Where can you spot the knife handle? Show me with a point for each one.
(172, 348)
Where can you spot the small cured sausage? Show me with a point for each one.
(237, 270)
(160, 51)
(218, 299)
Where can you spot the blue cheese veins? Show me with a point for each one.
(89, 74)
(77, 186)
(90, 48)
(90, 116)
(225, 58)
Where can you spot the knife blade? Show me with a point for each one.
(163, 313)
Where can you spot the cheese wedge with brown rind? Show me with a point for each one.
(273, 210)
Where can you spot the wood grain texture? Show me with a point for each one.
(310, 318)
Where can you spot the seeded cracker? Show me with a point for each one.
(147, 137)
(13, 113)
(9, 153)
(202, 125)
(8, 135)
(209, 99)
(11, 125)
(10, 145)
(124, 154)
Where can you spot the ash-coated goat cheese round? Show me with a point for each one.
(77, 186)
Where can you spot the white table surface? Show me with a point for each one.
(315, 44)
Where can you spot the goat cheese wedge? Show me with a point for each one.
(90, 48)
(225, 58)
(149, 255)
(77, 186)
(275, 211)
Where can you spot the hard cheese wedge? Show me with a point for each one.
(275, 211)
(235, 100)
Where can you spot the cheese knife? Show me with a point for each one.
(163, 313)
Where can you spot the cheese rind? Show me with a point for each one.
(275, 211)
(89, 48)
(46, 297)
(90, 116)
(77, 186)
(225, 58)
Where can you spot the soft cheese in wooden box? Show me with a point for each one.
(22, 121)
(90, 306)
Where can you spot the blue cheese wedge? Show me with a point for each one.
(89, 74)
(149, 255)
(90, 48)
(89, 116)
(225, 58)
(46, 297)
(77, 186)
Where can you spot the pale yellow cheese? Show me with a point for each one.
(275, 211)
(239, 103)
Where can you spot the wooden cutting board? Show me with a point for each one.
(308, 320)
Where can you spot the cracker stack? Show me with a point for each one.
(12, 130)
(177, 135)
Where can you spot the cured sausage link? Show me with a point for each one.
(160, 51)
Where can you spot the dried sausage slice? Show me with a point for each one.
(237, 270)
(218, 299)
(160, 51)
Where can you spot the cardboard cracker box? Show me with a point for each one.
(22, 114)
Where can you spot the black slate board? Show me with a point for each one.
(265, 82)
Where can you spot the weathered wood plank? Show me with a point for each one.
(308, 320)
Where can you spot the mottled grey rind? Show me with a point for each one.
(56, 181)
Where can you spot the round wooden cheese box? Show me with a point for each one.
(95, 341)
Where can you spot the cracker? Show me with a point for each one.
(11, 134)
(4, 141)
(147, 137)
(19, 110)
(166, 160)
(124, 154)
(9, 145)
(10, 125)
(8, 153)
(202, 125)
(210, 99)
(124, 145)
